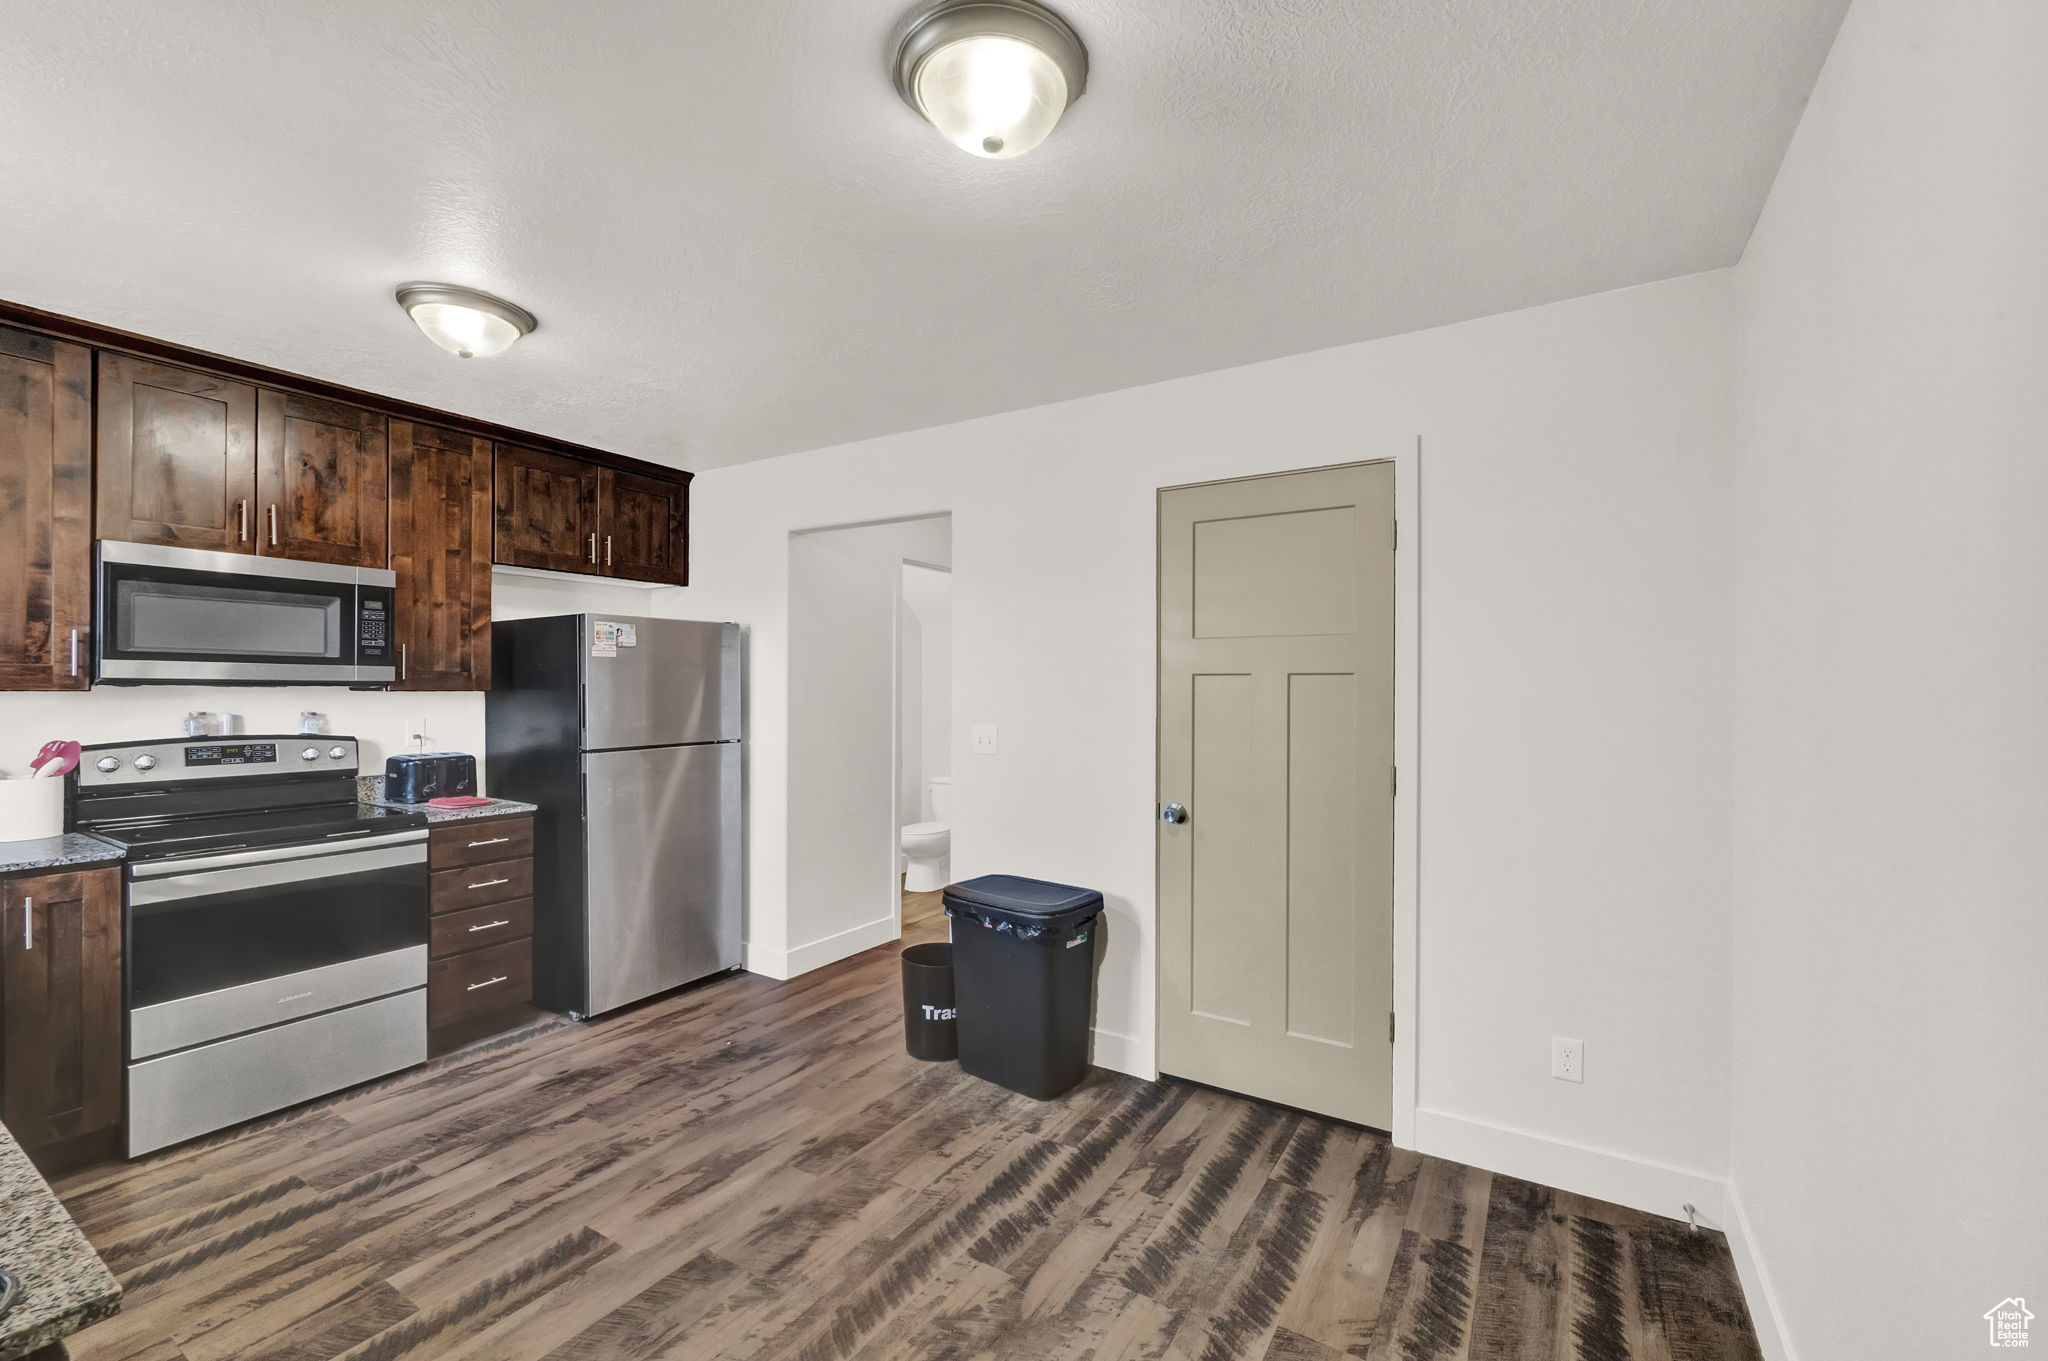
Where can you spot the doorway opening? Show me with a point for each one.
(849, 627)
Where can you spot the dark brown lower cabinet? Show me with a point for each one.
(60, 995)
(441, 551)
(480, 980)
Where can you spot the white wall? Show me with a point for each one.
(1573, 781)
(928, 594)
(1891, 773)
(836, 701)
(910, 758)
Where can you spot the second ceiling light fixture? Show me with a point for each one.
(994, 76)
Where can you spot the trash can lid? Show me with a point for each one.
(1028, 897)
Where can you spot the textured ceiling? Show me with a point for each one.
(740, 243)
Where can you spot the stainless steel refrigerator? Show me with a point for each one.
(626, 732)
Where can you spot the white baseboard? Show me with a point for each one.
(1123, 1054)
(1771, 1335)
(1596, 1172)
(773, 963)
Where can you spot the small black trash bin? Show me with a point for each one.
(1024, 971)
(928, 1028)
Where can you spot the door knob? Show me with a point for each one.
(1173, 814)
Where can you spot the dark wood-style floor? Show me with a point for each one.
(756, 1170)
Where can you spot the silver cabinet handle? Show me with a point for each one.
(593, 548)
(491, 883)
(607, 550)
(74, 652)
(401, 661)
(273, 524)
(485, 984)
(242, 514)
(494, 841)
(490, 925)
(28, 923)
(1173, 814)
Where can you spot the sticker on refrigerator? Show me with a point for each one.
(604, 638)
(629, 634)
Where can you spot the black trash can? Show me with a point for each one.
(929, 1031)
(1024, 971)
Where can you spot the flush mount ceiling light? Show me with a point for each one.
(992, 75)
(463, 321)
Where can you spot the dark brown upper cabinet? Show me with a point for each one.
(643, 527)
(320, 481)
(546, 511)
(441, 551)
(60, 995)
(177, 456)
(45, 513)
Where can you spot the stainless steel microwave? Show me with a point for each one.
(183, 616)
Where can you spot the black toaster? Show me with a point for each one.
(422, 775)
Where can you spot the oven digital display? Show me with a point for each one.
(232, 754)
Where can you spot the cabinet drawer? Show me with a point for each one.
(475, 927)
(474, 885)
(470, 984)
(479, 842)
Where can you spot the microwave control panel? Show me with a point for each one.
(373, 627)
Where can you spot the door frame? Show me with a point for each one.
(1407, 461)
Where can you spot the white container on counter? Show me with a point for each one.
(31, 809)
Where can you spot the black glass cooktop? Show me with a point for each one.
(155, 840)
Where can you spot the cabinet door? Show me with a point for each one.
(177, 456)
(440, 549)
(641, 534)
(60, 990)
(320, 480)
(547, 511)
(45, 513)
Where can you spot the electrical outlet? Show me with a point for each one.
(984, 739)
(415, 734)
(1567, 1059)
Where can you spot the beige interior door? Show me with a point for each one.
(1276, 735)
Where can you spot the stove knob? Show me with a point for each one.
(310, 754)
(107, 765)
(145, 762)
(336, 753)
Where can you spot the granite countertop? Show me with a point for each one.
(496, 808)
(370, 790)
(63, 1283)
(54, 852)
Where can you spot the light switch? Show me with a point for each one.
(984, 739)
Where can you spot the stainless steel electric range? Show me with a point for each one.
(276, 930)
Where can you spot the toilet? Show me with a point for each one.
(926, 845)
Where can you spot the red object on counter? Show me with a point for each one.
(458, 801)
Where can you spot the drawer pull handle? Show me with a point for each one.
(28, 923)
(494, 841)
(491, 883)
(488, 925)
(485, 984)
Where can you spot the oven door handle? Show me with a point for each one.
(157, 869)
(280, 875)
